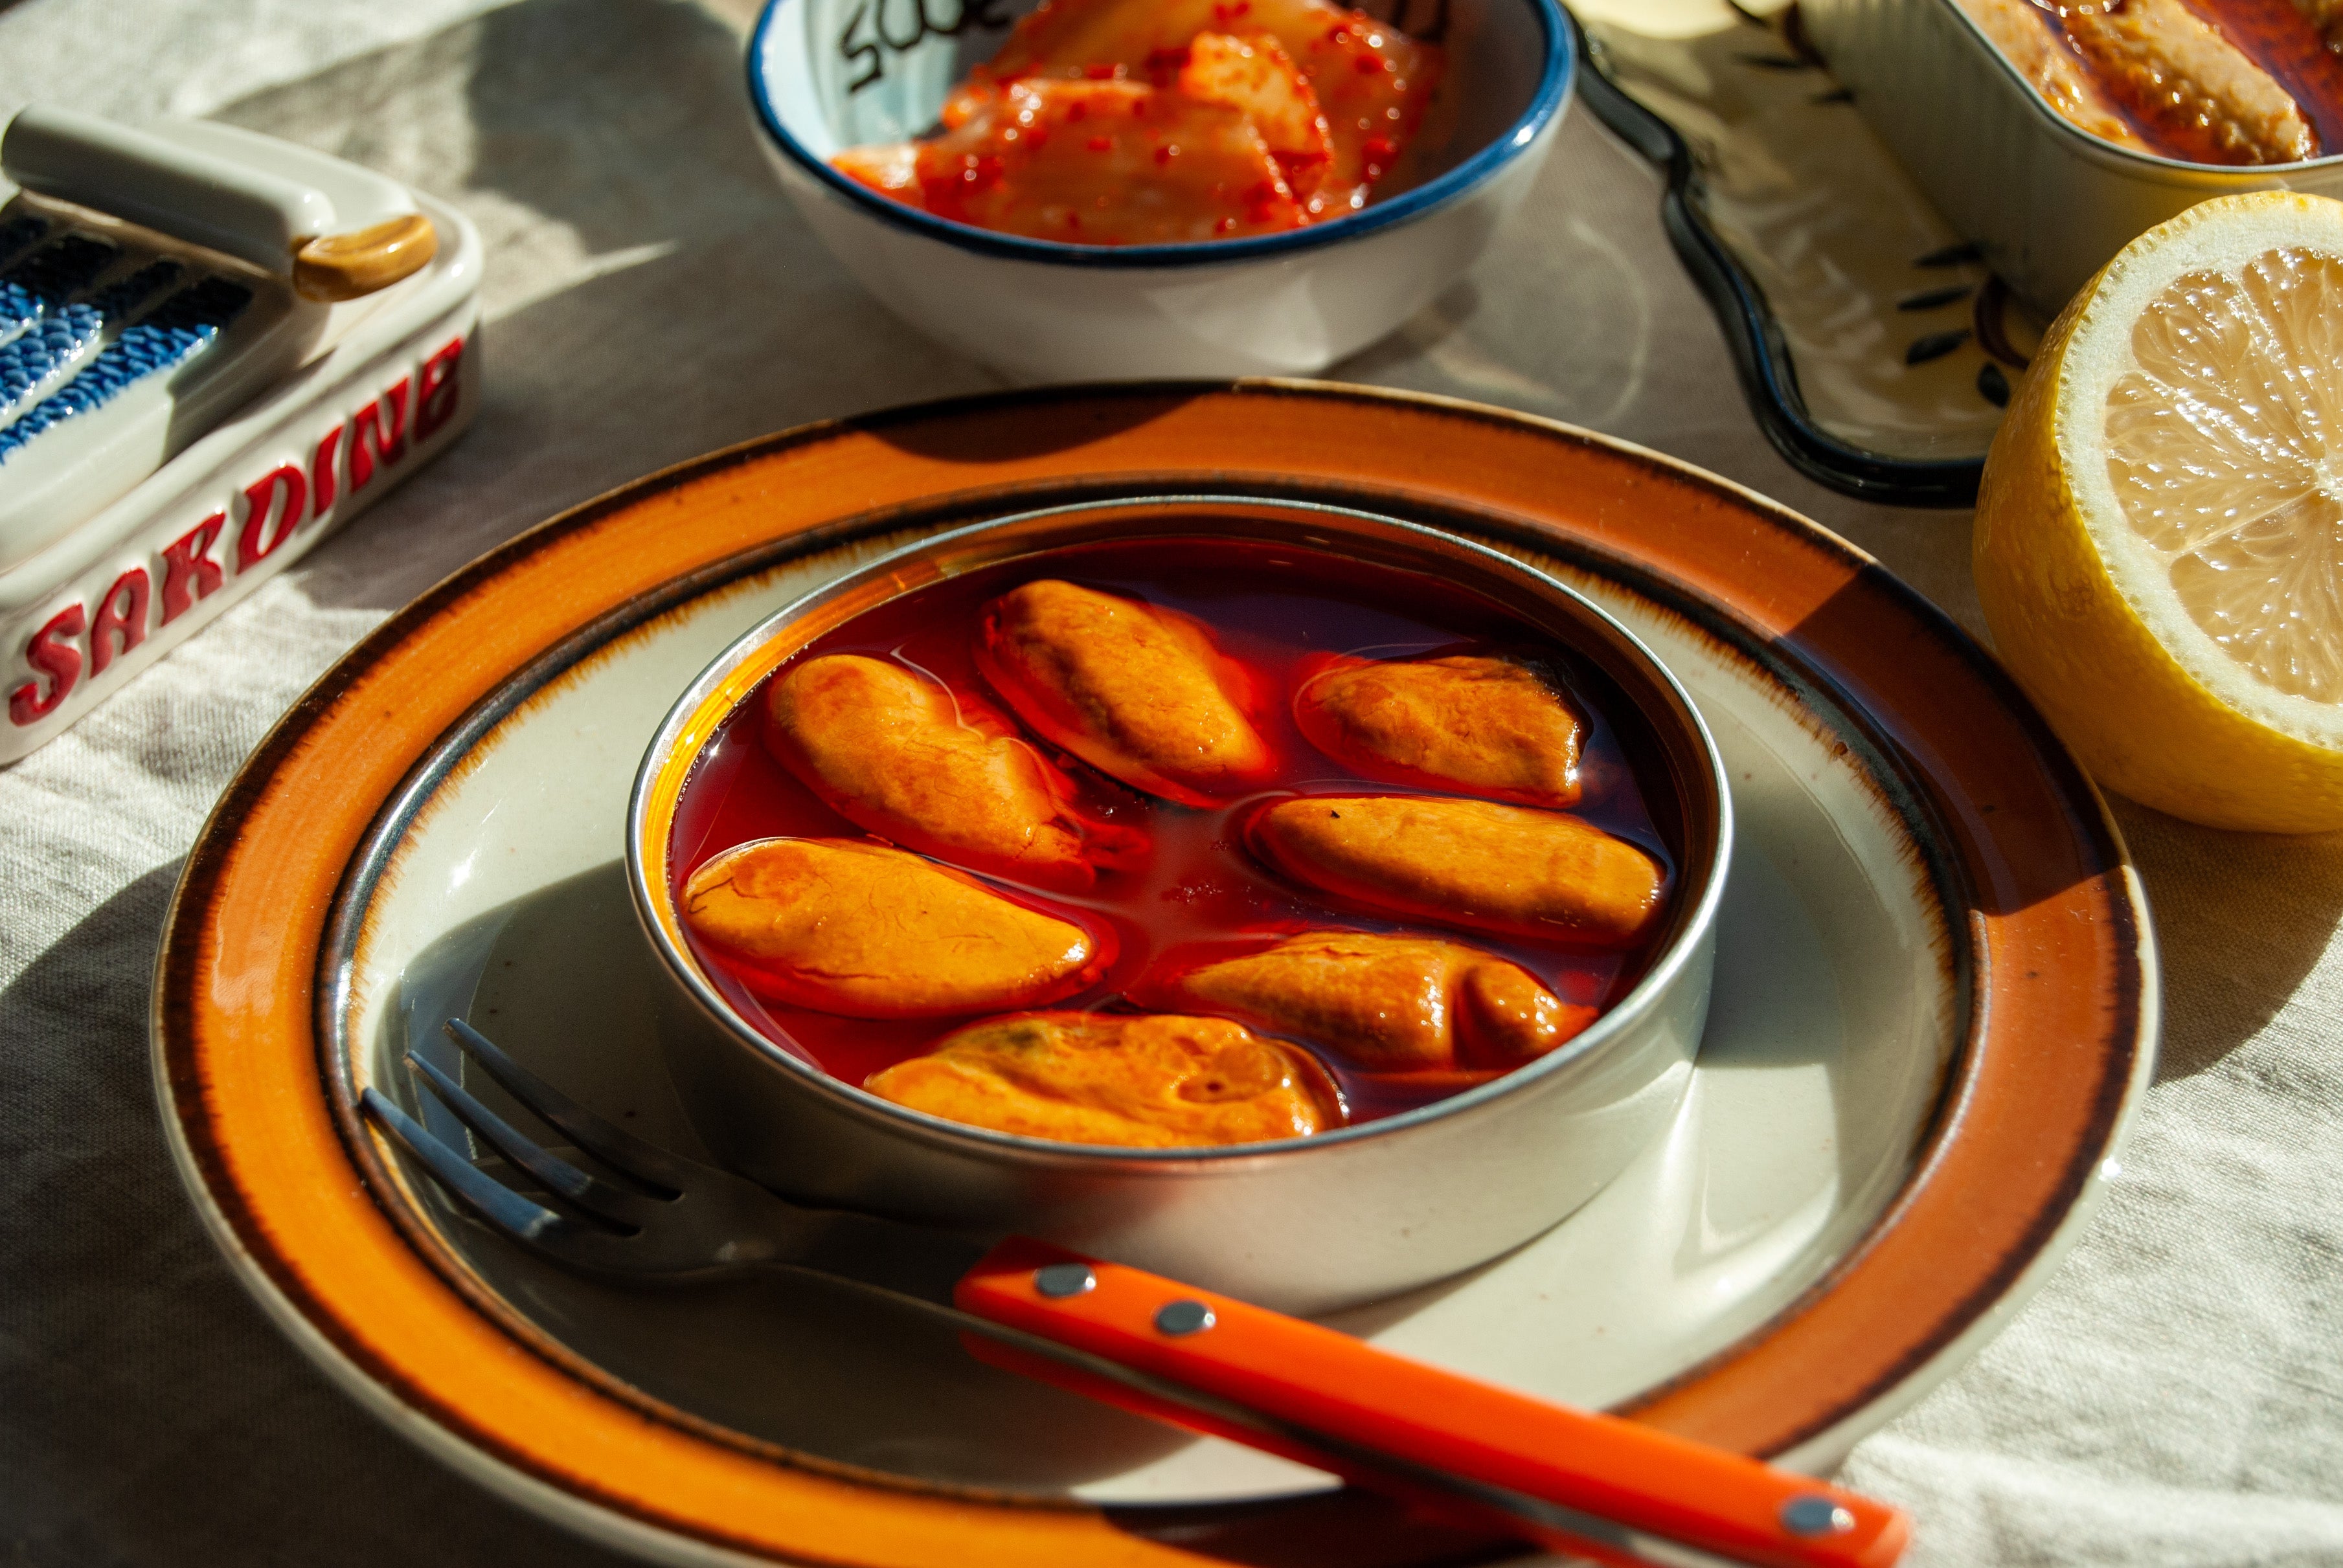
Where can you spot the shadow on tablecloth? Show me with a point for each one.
(2241, 918)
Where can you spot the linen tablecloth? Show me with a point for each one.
(2173, 1396)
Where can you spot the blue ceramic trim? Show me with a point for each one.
(1555, 82)
(173, 334)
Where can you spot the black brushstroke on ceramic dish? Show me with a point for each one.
(1935, 345)
(1933, 297)
(1761, 354)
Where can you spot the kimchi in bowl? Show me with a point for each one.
(1414, 1172)
(830, 75)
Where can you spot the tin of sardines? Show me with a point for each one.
(215, 347)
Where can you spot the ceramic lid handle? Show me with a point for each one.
(333, 229)
(1591, 1484)
(346, 266)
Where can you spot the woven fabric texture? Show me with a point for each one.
(2173, 1396)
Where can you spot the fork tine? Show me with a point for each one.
(599, 1200)
(499, 1205)
(567, 1241)
(614, 1146)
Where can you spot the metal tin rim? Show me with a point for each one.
(1648, 993)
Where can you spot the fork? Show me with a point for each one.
(1571, 1481)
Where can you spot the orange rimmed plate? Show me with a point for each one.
(1935, 1005)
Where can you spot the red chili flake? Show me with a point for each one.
(1102, 143)
(945, 192)
(1263, 200)
(1078, 110)
(1164, 65)
(1165, 154)
(1378, 149)
(1225, 226)
(1291, 164)
(1338, 34)
(1101, 72)
(1370, 65)
(1073, 220)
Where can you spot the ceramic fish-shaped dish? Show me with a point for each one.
(214, 347)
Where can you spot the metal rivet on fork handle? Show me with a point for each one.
(1184, 1318)
(1816, 1517)
(1058, 1280)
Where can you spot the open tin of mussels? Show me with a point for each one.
(1402, 1194)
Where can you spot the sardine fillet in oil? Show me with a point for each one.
(2023, 33)
(2159, 58)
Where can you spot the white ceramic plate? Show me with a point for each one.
(1934, 1003)
(505, 901)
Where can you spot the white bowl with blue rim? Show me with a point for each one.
(825, 75)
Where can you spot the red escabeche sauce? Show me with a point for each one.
(1270, 608)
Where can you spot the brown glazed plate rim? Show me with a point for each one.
(2058, 968)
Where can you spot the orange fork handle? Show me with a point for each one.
(1427, 1503)
(1569, 1479)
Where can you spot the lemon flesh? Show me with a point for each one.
(2159, 542)
(2219, 446)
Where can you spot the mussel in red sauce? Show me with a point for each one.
(1168, 843)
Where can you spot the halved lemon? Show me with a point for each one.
(2160, 538)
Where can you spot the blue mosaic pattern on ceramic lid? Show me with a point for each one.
(169, 335)
(38, 359)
